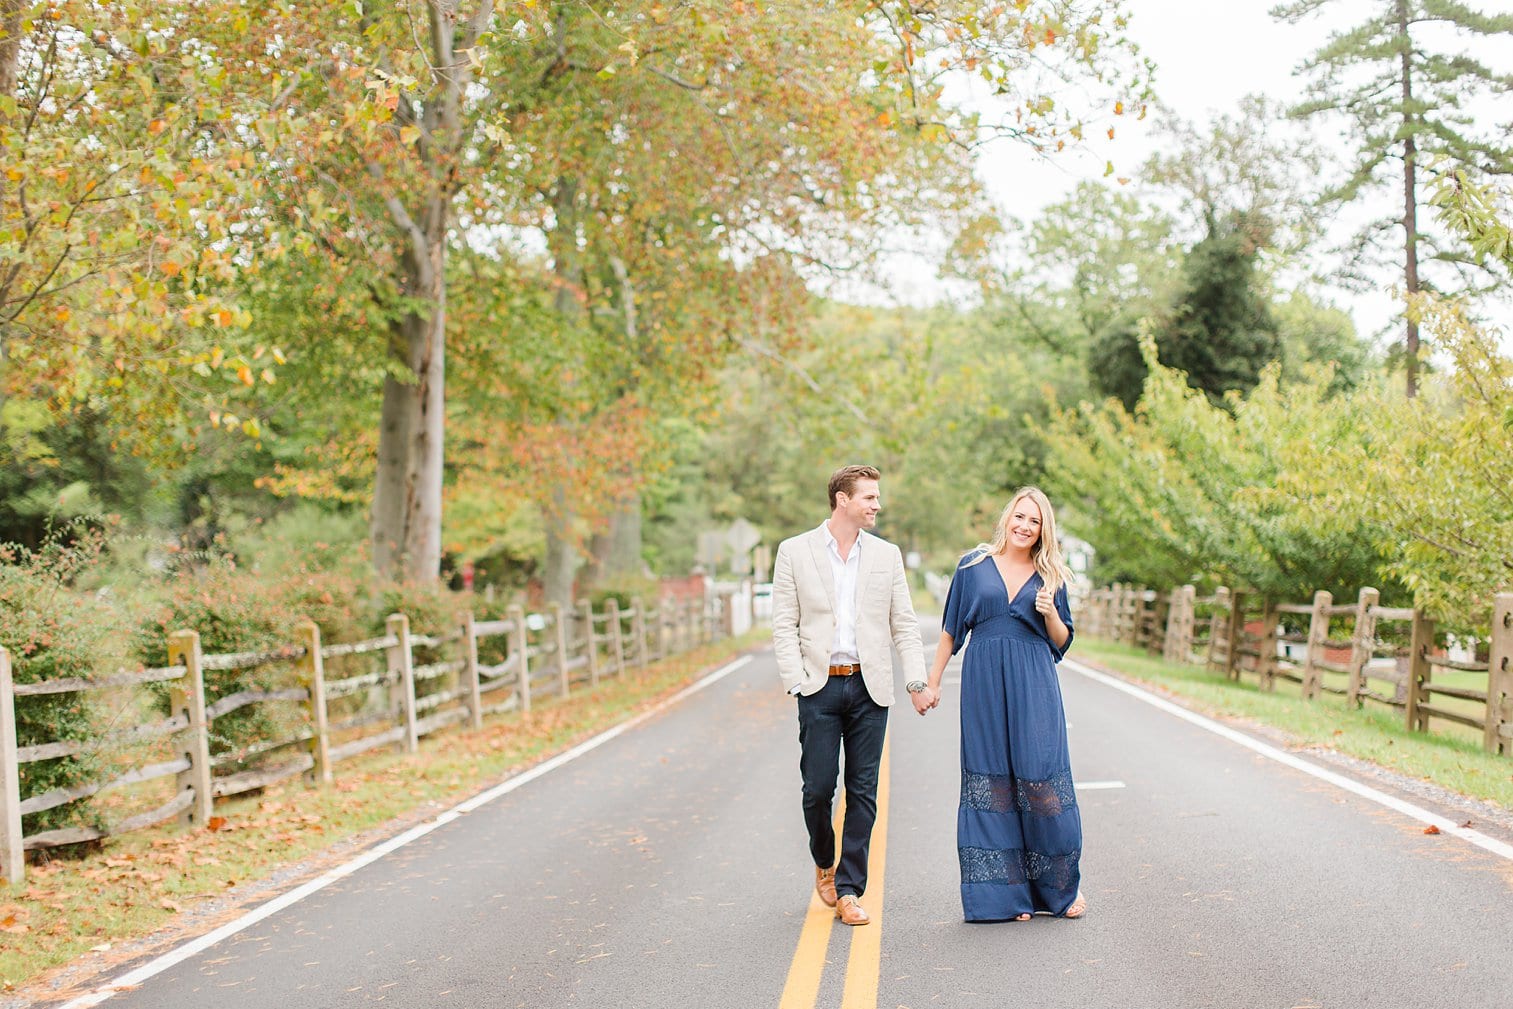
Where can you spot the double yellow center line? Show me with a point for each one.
(862, 968)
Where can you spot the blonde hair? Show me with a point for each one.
(1045, 554)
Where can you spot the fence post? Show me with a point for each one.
(188, 697)
(1498, 737)
(669, 623)
(1266, 661)
(1318, 633)
(470, 670)
(1126, 633)
(664, 622)
(1160, 622)
(1182, 651)
(616, 634)
(313, 672)
(559, 636)
(638, 631)
(521, 646)
(1419, 671)
(402, 661)
(1233, 628)
(12, 844)
(1362, 642)
(1172, 636)
(1216, 624)
(590, 640)
(1171, 633)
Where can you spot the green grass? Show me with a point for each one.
(134, 884)
(1452, 758)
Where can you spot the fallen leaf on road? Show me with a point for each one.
(1431, 829)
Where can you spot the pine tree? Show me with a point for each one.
(1407, 104)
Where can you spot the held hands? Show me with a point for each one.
(925, 699)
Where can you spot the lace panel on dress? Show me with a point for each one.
(1000, 793)
(1016, 867)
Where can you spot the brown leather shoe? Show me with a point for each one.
(824, 885)
(850, 912)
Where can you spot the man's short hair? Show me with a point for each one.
(843, 480)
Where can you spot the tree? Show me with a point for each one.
(1404, 102)
(1183, 489)
(1219, 330)
(1097, 257)
(1241, 169)
(126, 208)
(1430, 477)
(660, 150)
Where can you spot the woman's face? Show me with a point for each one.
(1024, 523)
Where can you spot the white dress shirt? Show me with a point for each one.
(844, 572)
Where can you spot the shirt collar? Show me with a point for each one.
(833, 543)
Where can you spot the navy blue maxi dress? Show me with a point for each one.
(1018, 830)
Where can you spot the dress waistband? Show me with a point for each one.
(1005, 625)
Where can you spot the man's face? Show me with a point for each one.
(862, 504)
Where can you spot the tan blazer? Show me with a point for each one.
(803, 615)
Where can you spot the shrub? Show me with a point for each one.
(54, 632)
(233, 611)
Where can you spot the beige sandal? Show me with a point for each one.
(1078, 908)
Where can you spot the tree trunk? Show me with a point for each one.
(10, 56)
(561, 565)
(562, 554)
(411, 447)
(1410, 200)
(615, 553)
(388, 526)
(10, 46)
(406, 521)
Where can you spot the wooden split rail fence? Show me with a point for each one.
(1362, 651)
(328, 703)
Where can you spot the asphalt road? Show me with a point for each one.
(668, 868)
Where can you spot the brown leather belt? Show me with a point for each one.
(854, 667)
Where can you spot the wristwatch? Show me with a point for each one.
(914, 686)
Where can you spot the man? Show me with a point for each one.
(839, 597)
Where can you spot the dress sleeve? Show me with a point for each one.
(956, 620)
(1064, 610)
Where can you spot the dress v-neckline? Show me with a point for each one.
(1013, 596)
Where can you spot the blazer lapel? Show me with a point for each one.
(872, 562)
(820, 553)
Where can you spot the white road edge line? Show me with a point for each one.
(1090, 786)
(157, 966)
(1408, 809)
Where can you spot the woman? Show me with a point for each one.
(1018, 831)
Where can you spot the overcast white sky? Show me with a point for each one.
(1209, 54)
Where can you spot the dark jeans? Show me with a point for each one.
(841, 714)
